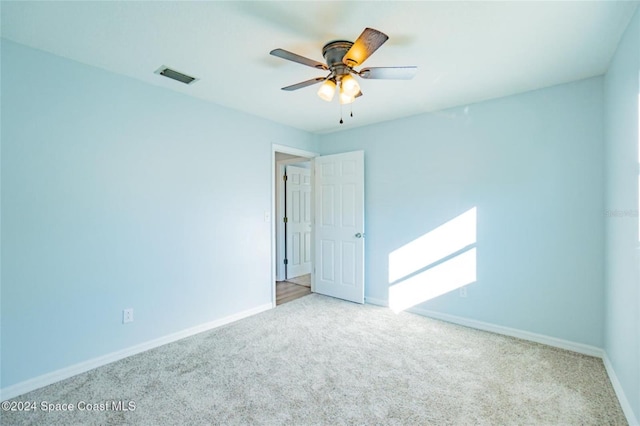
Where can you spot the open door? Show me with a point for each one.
(339, 226)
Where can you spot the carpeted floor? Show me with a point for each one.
(318, 360)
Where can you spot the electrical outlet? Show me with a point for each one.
(463, 291)
(127, 315)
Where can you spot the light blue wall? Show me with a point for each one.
(622, 312)
(118, 194)
(532, 164)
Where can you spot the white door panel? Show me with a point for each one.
(298, 227)
(339, 188)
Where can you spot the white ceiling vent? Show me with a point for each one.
(175, 75)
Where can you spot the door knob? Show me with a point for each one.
(359, 235)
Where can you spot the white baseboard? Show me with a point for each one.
(499, 329)
(378, 302)
(580, 348)
(622, 398)
(64, 373)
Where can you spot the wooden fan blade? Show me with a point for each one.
(389, 73)
(304, 84)
(364, 46)
(290, 56)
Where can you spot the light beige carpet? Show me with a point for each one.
(318, 360)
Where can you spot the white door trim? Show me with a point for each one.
(299, 153)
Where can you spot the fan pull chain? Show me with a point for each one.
(350, 112)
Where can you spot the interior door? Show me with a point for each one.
(339, 219)
(298, 225)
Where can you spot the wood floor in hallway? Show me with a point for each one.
(286, 292)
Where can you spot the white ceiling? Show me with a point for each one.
(465, 51)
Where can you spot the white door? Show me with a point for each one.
(298, 225)
(339, 218)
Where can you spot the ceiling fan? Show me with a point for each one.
(341, 57)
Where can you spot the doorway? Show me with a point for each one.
(294, 214)
(337, 214)
(292, 220)
(297, 221)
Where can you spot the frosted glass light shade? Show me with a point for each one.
(345, 98)
(327, 90)
(350, 85)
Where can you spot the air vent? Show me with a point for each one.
(175, 75)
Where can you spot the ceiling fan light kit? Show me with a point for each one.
(341, 57)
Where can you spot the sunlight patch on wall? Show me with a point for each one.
(443, 278)
(412, 272)
(446, 239)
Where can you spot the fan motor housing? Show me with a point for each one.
(333, 52)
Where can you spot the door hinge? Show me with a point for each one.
(285, 220)
(286, 261)
(284, 178)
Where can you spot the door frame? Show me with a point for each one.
(274, 202)
(281, 196)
